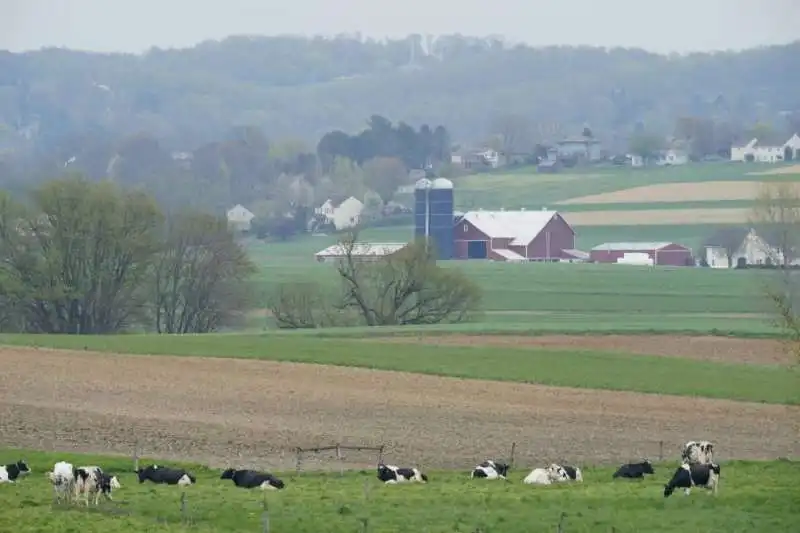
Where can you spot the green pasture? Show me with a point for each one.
(525, 187)
(570, 368)
(753, 496)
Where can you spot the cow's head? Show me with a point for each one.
(668, 490)
(277, 483)
(142, 474)
(501, 468)
(647, 467)
(23, 468)
(228, 474)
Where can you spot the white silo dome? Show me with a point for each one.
(442, 183)
(423, 183)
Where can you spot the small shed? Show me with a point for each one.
(361, 250)
(661, 253)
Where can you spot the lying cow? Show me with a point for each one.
(63, 479)
(564, 473)
(538, 476)
(250, 479)
(11, 472)
(698, 452)
(634, 470)
(164, 475)
(391, 474)
(693, 475)
(490, 470)
(92, 480)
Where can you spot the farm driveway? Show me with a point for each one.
(249, 412)
(708, 348)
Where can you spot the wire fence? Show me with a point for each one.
(336, 457)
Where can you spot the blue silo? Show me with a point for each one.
(441, 217)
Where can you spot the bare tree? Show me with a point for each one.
(199, 276)
(405, 287)
(777, 217)
(778, 213)
(513, 133)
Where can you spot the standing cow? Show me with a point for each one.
(693, 475)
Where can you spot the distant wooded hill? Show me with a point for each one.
(292, 86)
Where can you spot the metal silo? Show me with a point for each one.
(422, 208)
(441, 217)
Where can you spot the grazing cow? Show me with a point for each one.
(538, 476)
(9, 473)
(250, 479)
(634, 470)
(698, 452)
(92, 480)
(490, 470)
(169, 476)
(391, 474)
(564, 473)
(63, 479)
(693, 475)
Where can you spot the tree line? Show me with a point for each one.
(189, 97)
(93, 258)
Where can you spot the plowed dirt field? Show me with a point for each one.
(254, 413)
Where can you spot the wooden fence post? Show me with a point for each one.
(183, 506)
(339, 458)
(297, 459)
(380, 454)
(135, 455)
(561, 522)
(265, 517)
(513, 452)
(661, 450)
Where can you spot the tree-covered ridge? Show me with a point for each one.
(305, 87)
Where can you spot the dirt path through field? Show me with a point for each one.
(708, 348)
(250, 412)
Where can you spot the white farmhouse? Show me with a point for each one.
(239, 218)
(752, 248)
(767, 153)
(343, 215)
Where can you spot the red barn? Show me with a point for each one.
(514, 236)
(661, 253)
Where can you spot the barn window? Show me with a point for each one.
(466, 228)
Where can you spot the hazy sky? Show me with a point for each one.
(658, 25)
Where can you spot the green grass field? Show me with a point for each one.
(752, 497)
(524, 187)
(572, 368)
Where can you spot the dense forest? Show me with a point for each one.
(304, 87)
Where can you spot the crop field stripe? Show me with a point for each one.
(581, 369)
(753, 496)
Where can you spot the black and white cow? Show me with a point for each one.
(564, 473)
(490, 470)
(63, 479)
(693, 475)
(92, 480)
(701, 451)
(10, 472)
(634, 470)
(165, 475)
(391, 474)
(250, 479)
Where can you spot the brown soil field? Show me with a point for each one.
(251, 413)
(793, 169)
(675, 192)
(710, 348)
(658, 217)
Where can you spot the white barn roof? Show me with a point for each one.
(363, 249)
(520, 226)
(643, 246)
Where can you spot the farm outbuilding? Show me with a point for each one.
(660, 253)
(361, 250)
(514, 236)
